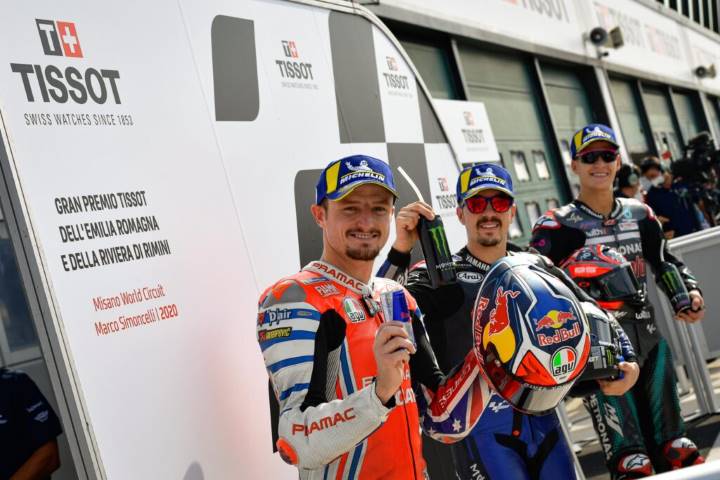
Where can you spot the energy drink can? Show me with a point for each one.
(395, 307)
(674, 287)
(436, 251)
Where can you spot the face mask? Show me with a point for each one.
(657, 181)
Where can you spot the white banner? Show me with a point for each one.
(468, 126)
(552, 23)
(167, 154)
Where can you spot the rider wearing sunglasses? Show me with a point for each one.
(652, 433)
(505, 443)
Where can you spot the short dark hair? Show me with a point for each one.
(650, 162)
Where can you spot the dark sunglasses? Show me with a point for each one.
(607, 156)
(500, 203)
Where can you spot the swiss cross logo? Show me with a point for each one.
(392, 64)
(290, 48)
(59, 38)
(469, 119)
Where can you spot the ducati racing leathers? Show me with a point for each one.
(316, 330)
(505, 443)
(647, 419)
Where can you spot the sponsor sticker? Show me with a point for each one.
(563, 362)
(354, 310)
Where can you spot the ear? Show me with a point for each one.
(574, 166)
(513, 212)
(319, 215)
(460, 215)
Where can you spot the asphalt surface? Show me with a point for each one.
(704, 431)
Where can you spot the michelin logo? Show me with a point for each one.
(594, 133)
(362, 167)
(486, 176)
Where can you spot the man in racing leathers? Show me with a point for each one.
(505, 443)
(343, 376)
(646, 426)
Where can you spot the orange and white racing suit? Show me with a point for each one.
(316, 330)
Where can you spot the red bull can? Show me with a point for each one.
(395, 307)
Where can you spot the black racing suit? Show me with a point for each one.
(505, 443)
(650, 412)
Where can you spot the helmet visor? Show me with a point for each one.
(619, 283)
(527, 398)
(533, 399)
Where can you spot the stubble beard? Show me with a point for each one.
(364, 253)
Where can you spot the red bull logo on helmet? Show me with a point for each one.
(554, 319)
(498, 330)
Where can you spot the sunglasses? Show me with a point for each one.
(607, 156)
(500, 203)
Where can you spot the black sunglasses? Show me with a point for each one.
(607, 156)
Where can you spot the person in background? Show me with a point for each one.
(672, 203)
(651, 172)
(28, 429)
(628, 182)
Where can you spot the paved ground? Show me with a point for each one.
(704, 431)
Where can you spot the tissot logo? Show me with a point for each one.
(290, 49)
(469, 119)
(59, 38)
(395, 81)
(293, 69)
(58, 84)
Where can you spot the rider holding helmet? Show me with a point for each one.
(631, 227)
(506, 443)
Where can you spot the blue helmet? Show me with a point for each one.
(530, 333)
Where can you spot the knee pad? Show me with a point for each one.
(633, 465)
(682, 452)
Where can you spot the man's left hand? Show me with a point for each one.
(615, 388)
(698, 308)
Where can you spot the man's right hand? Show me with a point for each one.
(406, 224)
(392, 350)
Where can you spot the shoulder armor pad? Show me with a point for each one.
(634, 208)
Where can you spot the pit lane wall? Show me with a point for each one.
(158, 162)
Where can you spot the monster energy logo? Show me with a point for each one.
(671, 280)
(440, 241)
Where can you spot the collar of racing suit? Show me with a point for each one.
(346, 280)
(617, 209)
(472, 260)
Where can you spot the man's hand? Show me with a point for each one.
(615, 388)
(406, 224)
(392, 350)
(698, 308)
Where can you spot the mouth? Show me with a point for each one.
(599, 174)
(364, 236)
(488, 224)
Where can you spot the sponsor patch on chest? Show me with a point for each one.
(354, 310)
